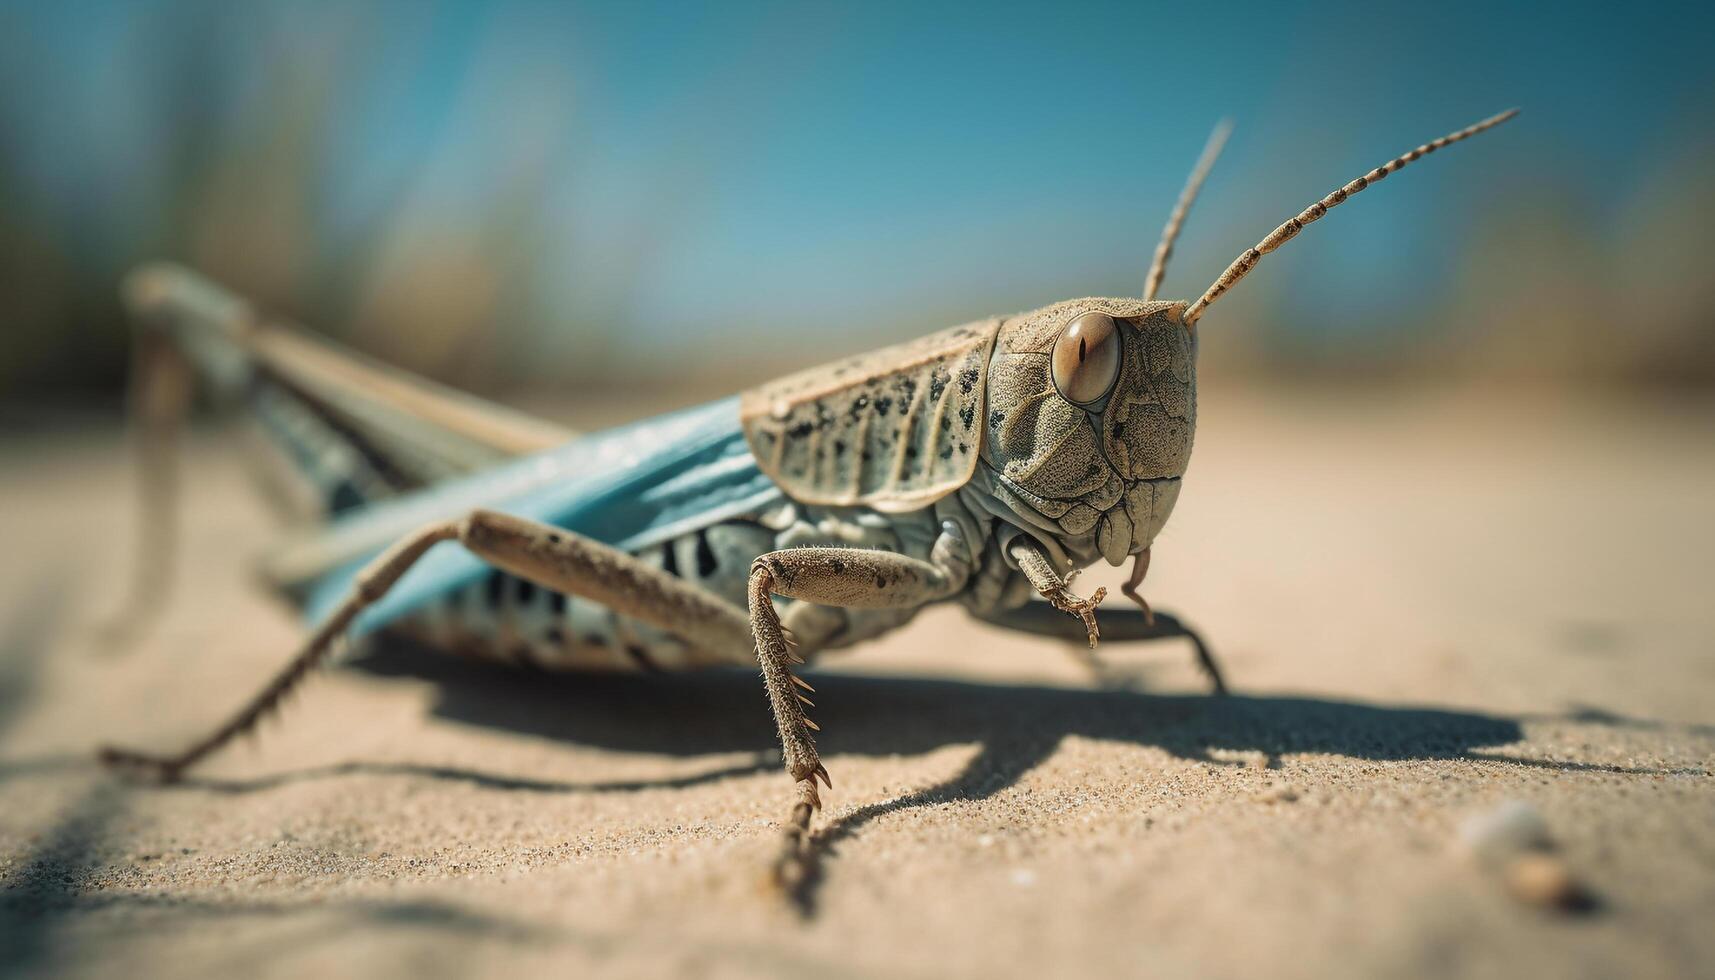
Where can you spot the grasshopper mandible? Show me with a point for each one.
(981, 465)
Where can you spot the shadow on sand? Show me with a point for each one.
(1016, 727)
(725, 711)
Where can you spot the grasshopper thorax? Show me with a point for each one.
(1091, 409)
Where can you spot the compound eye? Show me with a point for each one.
(1087, 358)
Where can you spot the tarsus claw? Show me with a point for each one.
(1084, 609)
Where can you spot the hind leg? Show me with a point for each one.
(355, 431)
(550, 557)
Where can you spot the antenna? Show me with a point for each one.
(1278, 237)
(1176, 220)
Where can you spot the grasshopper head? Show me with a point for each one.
(1091, 409)
(1092, 403)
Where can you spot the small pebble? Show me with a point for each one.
(1278, 793)
(1497, 835)
(1545, 881)
(1512, 842)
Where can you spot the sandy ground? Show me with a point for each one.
(1429, 605)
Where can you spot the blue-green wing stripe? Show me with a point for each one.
(629, 487)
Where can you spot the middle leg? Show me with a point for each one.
(1120, 625)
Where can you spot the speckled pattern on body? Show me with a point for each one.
(894, 429)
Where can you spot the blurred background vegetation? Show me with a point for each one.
(523, 196)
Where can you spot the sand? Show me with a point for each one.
(1429, 605)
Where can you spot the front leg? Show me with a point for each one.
(834, 577)
(1054, 587)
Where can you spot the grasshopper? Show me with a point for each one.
(982, 465)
